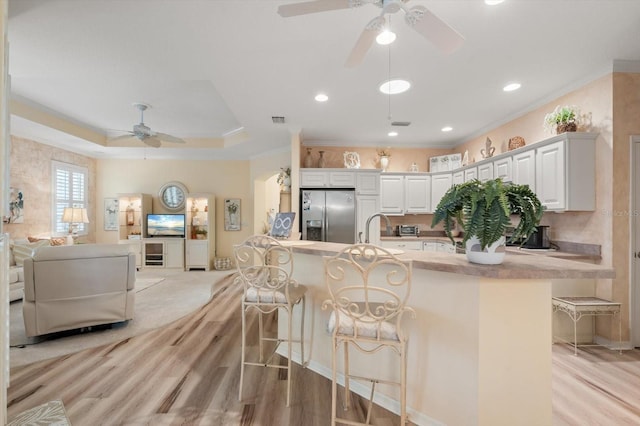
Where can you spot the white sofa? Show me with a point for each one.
(16, 270)
(72, 287)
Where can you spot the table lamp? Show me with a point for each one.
(73, 216)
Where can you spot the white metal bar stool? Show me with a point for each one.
(265, 268)
(369, 288)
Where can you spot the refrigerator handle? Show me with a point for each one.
(325, 224)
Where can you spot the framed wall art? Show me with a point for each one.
(110, 214)
(232, 214)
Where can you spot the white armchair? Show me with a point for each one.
(78, 286)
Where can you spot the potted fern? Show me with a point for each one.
(483, 210)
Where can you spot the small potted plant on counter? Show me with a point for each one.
(483, 210)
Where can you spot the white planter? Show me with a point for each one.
(491, 255)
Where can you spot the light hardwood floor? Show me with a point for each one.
(187, 373)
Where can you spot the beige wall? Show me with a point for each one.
(401, 158)
(626, 122)
(224, 179)
(30, 169)
(265, 190)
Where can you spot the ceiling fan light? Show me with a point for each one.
(386, 37)
(393, 87)
(511, 87)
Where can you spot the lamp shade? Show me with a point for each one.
(75, 215)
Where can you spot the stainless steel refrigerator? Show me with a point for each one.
(328, 215)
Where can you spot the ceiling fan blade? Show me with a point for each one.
(168, 138)
(127, 136)
(364, 42)
(152, 141)
(305, 8)
(434, 29)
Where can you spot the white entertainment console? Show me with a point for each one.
(163, 252)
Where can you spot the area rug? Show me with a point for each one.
(164, 297)
(145, 283)
(51, 414)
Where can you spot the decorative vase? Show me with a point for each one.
(566, 127)
(384, 162)
(491, 255)
(321, 161)
(308, 160)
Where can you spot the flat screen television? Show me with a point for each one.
(165, 225)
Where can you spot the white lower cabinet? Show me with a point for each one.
(197, 255)
(163, 253)
(174, 252)
(438, 246)
(402, 244)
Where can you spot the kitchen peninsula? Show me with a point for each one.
(480, 347)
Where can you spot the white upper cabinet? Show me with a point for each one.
(502, 169)
(550, 178)
(417, 198)
(367, 182)
(524, 169)
(319, 178)
(458, 177)
(440, 184)
(470, 174)
(405, 193)
(485, 172)
(565, 172)
(392, 194)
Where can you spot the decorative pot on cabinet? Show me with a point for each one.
(566, 127)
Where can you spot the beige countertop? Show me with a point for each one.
(515, 266)
(510, 249)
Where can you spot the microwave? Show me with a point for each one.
(407, 230)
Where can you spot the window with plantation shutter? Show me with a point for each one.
(69, 190)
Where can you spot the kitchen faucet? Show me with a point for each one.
(366, 235)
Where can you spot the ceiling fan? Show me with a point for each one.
(145, 134)
(434, 29)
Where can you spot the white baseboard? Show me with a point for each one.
(384, 401)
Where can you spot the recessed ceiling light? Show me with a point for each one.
(393, 87)
(321, 97)
(392, 133)
(511, 87)
(386, 37)
(447, 129)
(493, 2)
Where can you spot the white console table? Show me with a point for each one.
(577, 307)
